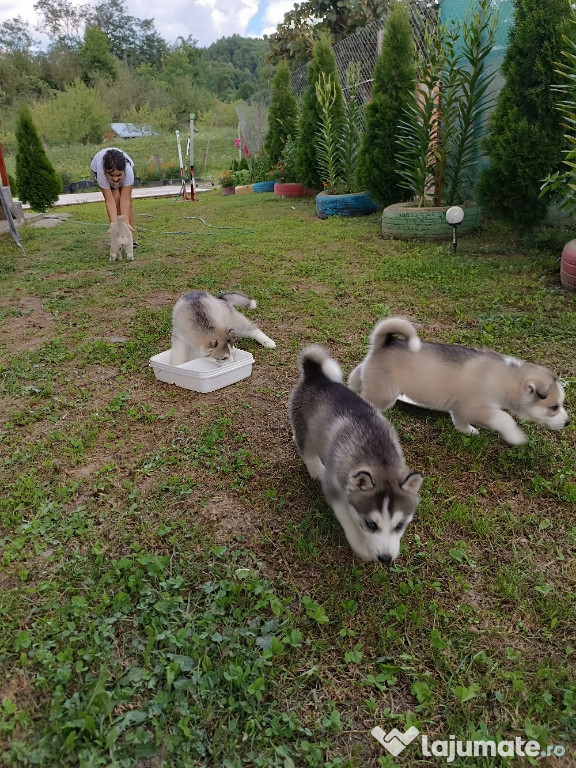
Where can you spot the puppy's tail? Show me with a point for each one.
(238, 299)
(121, 218)
(391, 326)
(315, 360)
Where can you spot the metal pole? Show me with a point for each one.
(182, 176)
(192, 179)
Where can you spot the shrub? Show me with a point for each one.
(393, 86)
(525, 140)
(73, 116)
(282, 115)
(37, 182)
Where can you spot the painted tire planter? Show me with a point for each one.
(568, 266)
(263, 186)
(352, 204)
(292, 189)
(228, 191)
(406, 222)
(244, 189)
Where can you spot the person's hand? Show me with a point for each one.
(108, 231)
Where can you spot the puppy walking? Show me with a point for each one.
(476, 386)
(204, 325)
(121, 239)
(356, 454)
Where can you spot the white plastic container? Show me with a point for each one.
(202, 374)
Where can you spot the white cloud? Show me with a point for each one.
(204, 20)
(274, 14)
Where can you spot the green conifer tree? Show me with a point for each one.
(282, 115)
(525, 141)
(37, 182)
(323, 61)
(392, 89)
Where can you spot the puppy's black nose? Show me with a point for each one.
(385, 559)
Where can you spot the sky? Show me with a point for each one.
(205, 20)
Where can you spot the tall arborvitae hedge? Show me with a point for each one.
(323, 61)
(282, 115)
(525, 141)
(393, 88)
(37, 182)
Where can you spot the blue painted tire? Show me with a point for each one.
(353, 204)
(263, 186)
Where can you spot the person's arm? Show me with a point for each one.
(110, 203)
(126, 205)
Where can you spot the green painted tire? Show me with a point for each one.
(406, 222)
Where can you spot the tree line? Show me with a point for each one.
(107, 60)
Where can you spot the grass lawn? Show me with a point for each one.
(175, 591)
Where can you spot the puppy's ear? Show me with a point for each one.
(360, 481)
(539, 388)
(412, 482)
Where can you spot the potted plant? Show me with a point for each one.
(284, 174)
(440, 131)
(337, 146)
(560, 187)
(227, 182)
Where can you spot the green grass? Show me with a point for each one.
(175, 590)
(153, 156)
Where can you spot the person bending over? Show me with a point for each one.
(113, 171)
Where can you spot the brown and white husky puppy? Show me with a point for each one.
(204, 326)
(475, 385)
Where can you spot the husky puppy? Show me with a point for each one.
(121, 238)
(476, 386)
(355, 453)
(203, 326)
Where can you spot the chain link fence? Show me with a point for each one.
(362, 48)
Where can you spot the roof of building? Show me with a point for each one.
(131, 131)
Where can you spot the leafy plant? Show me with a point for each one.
(227, 178)
(560, 186)
(323, 64)
(285, 169)
(440, 133)
(338, 141)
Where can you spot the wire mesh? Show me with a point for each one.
(361, 48)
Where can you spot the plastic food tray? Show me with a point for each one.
(202, 374)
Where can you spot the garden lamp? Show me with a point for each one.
(454, 216)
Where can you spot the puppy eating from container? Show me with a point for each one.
(121, 240)
(355, 453)
(475, 385)
(204, 326)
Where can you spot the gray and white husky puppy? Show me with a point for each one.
(356, 454)
(121, 239)
(204, 325)
(475, 385)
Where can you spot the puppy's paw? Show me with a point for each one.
(472, 430)
(516, 438)
(269, 343)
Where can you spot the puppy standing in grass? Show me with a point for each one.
(476, 386)
(121, 239)
(356, 454)
(204, 325)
